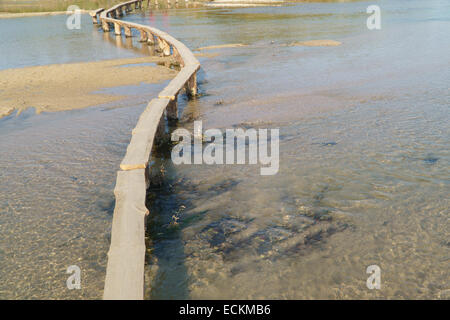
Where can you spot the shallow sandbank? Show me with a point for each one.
(6, 15)
(72, 86)
(317, 43)
(221, 46)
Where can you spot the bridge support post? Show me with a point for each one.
(105, 26)
(172, 109)
(143, 37)
(150, 39)
(117, 30)
(161, 130)
(127, 31)
(164, 47)
(191, 86)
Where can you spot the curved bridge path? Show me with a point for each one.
(126, 256)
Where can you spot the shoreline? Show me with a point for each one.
(8, 15)
(218, 3)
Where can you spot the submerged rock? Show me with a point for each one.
(218, 234)
(430, 160)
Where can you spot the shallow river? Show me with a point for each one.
(363, 176)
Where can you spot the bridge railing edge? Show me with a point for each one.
(126, 257)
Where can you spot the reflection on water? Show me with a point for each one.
(44, 40)
(363, 157)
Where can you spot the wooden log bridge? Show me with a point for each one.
(94, 15)
(126, 256)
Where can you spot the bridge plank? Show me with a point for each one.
(140, 147)
(126, 256)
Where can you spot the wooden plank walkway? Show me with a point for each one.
(126, 256)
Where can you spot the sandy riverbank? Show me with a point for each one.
(6, 15)
(73, 86)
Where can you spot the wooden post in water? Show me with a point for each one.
(144, 37)
(157, 44)
(164, 47)
(161, 130)
(172, 109)
(191, 86)
(117, 30)
(150, 39)
(127, 31)
(105, 26)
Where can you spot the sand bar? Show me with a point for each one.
(6, 15)
(317, 43)
(221, 46)
(60, 87)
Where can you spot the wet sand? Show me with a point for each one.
(73, 86)
(317, 43)
(221, 46)
(7, 15)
